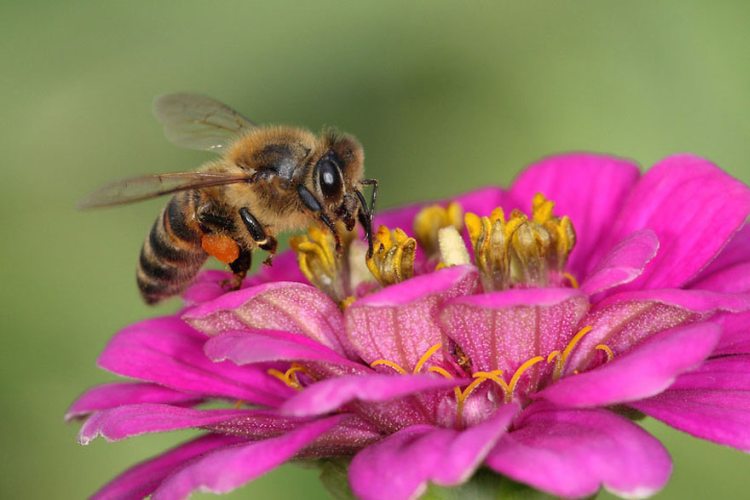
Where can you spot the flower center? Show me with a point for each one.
(521, 251)
(508, 387)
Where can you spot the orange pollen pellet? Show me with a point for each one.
(220, 246)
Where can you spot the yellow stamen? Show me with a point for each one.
(289, 377)
(568, 349)
(519, 250)
(607, 351)
(393, 259)
(553, 355)
(390, 364)
(320, 263)
(517, 376)
(572, 279)
(426, 356)
(238, 404)
(347, 302)
(430, 220)
(440, 370)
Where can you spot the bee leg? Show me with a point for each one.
(258, 234)
(239, 269)
(309, 200)
(374, 195)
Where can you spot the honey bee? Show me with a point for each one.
(268, 179)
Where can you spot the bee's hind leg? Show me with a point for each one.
(239, 268)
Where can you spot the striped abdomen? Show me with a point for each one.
(171, 255)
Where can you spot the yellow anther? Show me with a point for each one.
(552, 356)
(560, 365)
(347, 302)
(518, 250)
(541, 208)
(393, 259)
(517, 376)
(238, 404)
(430, 220)
(572, 279)
(320, 263)
(607, 351)
(278, 374)
(426, 356)
(390, 364)
(289, 378)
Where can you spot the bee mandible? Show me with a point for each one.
(268, 179)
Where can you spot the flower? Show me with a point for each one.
(457, 352)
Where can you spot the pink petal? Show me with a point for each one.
(106, 396)
(643, 372)
(284, 306)
(721, 416)
(141, 480)
(227, 469)
(502, 330)
(209, 284)
(328, 395)
(735, 338)
(168, 352)
(133, 420)
(624, 263)
(262, 346)
(400, 466)
(737, 251)
(586, 187)
(399, 323)
(572, 453)
(693, 207)
(724, 373)
(626, 319)
(731, 279)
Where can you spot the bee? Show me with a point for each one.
(267, 180)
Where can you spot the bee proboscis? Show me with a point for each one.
(268, 179)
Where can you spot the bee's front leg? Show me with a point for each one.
(258, 234)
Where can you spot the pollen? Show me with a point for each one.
(430, 220)
(221, 246)
(393, 258)
(521, 251)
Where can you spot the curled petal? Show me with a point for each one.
(643, 372)
(141, 480)
(262, 346)
(226, 469)
(168, 352)
(284, 306)
(624, 263)
(112, 395)
(403, 463)
(735, 338)
(132, 420)
(328, 395)
(628, 318)
(588, 188)
(572, 453)
(693, 207)
(737, 251)
(399, 323)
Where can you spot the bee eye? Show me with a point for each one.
(329, 178)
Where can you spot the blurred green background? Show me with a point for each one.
(445, 96)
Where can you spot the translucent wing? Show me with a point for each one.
(199, 122)
(151, 186)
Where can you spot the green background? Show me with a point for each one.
(445, 96)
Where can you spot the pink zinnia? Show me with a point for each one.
(481, 350)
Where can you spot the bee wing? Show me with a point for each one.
(151, 186)
(199, 122)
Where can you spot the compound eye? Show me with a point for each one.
(329, 178)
